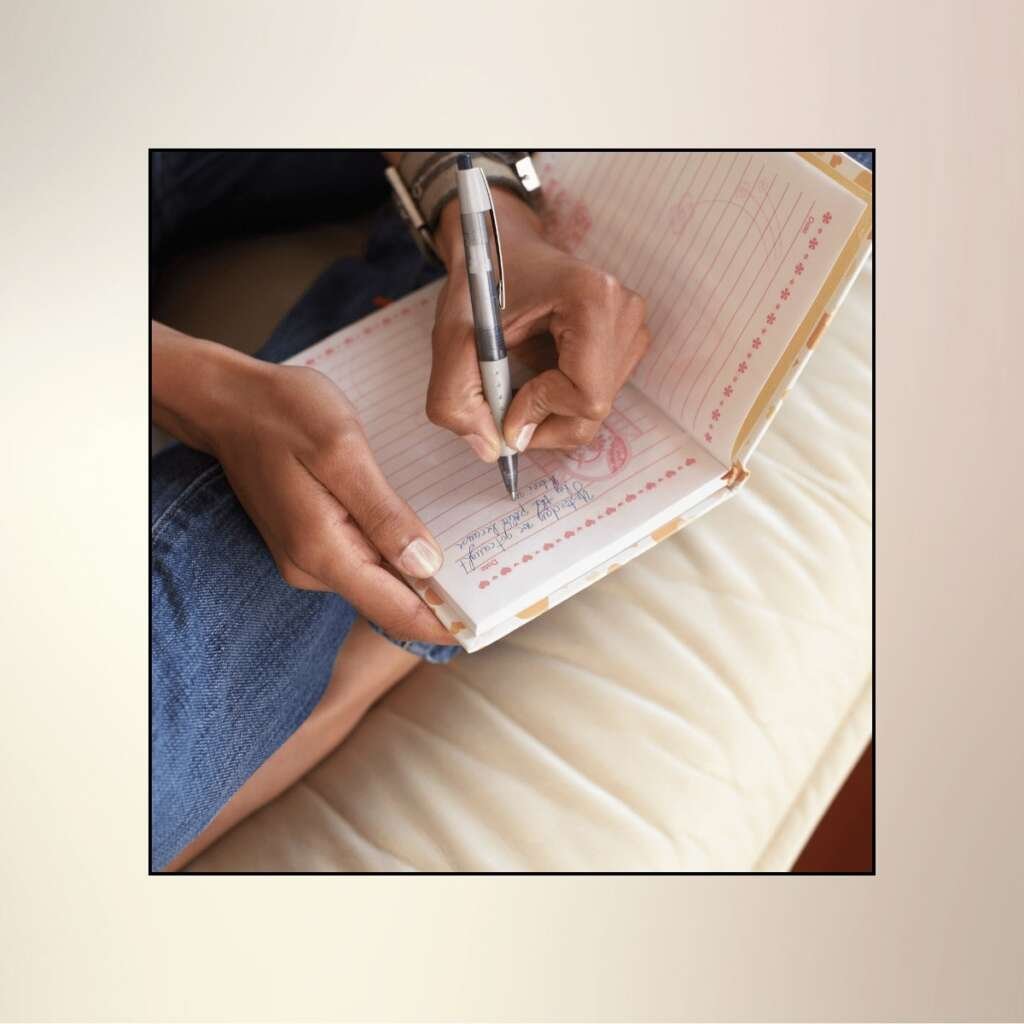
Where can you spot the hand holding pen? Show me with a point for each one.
(596, 322)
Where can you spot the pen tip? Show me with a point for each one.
(463, 162)
(509, 466)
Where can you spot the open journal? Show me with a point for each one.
(742, 258)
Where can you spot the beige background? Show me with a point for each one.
(85, 934)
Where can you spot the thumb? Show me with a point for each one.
(549, 393)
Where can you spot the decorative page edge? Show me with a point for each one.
(448, 615)
(857, 180)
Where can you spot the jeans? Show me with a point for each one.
(240, 658)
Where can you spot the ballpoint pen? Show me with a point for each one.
(477, 207)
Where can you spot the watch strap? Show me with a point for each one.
(431, 178)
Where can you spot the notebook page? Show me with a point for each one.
(729, 250)
(574, 510)
(667, 524)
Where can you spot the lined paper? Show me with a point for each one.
(728, 249)
(575, 510)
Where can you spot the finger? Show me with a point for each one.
(321, 549)
(564, 432)
(637, 350)
(550, 392)
(455, 397)
(396, 608)
(342, 560)
(354, 570)
(571, 432)
(560, 431)
(593, 329)
(350, 472)
(440, 633)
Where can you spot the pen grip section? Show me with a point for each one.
(497, 384)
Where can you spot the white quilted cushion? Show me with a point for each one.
(695, 711)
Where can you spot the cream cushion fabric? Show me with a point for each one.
(695, 711)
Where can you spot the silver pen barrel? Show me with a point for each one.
(477, 210)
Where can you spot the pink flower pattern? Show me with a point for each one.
(784, 295)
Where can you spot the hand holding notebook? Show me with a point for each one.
(297, 458)
(742, 258)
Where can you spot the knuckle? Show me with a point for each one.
(403, 622)
(346, 435)
(439, 411)
(582, 432)
(605, 282)
(595, 408)
(381, 518)
(350, 430)
(643, 341)
(543, 394)
(540, 393)
(607, 288)
(636, 305)
(292, 376)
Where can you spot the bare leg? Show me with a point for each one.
(366, 667)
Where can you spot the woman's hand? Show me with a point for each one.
(597, 325)
(297, 458)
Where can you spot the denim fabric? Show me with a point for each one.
(239, 658)
(865, 157)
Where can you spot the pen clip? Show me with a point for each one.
(497, 240)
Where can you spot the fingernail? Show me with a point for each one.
(525, 435)
(420, 558)
(483, 450)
